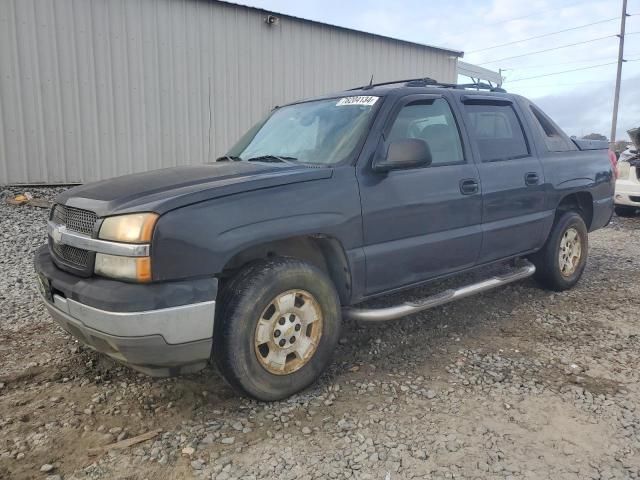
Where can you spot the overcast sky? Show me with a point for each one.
(581, 102)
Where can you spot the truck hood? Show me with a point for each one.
(170, 188)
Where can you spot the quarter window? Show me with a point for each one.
(554, 139)
(433, 122)
(497, 132)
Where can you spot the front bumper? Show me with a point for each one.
(166, 330)
(628, 200)
(628, 190)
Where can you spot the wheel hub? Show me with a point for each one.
(570, 252)
(288, 332)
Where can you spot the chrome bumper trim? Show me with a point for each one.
(186, 323)
(149, 354)
(60, 234)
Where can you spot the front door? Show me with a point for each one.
(420, 223)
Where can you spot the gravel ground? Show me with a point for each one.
(515, 383)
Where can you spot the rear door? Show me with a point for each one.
(513, 183)
(421, 222)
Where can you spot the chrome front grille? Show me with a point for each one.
(81, 221)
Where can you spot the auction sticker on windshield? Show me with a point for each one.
(361, 100)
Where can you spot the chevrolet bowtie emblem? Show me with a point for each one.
(56, 233)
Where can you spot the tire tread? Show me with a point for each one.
(545, 260)
(234, 295)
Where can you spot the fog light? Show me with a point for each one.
(137, 269)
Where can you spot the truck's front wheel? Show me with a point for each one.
(276, 328)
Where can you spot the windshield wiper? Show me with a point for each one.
(272, 159)
(228, 158)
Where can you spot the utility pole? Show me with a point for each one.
(616, 95)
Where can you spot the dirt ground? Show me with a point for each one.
(515, 383)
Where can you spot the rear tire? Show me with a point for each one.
(625, 211)
(277, 326)
(561, 262)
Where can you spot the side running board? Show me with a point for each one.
(408, 308)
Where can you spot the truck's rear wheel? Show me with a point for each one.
(276, 328)
(561, 262)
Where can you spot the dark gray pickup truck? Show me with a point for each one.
(254, 260)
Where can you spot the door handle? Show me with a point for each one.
(531, 178)
(469, 186)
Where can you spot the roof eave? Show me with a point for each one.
(457, 53)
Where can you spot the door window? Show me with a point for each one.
(433, 122)
(497, 131)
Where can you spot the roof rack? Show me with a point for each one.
(430, 82)
(481, 86)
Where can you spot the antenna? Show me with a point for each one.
(371, 81)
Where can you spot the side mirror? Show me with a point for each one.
(405, 153)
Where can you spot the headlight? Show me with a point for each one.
(133, 228)
(624, 168)
(137, 269)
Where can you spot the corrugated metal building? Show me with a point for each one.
(90, 89)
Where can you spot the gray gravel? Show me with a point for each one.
(516, 383)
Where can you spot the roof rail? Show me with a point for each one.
(423, 81)
(430, 82)
(481, 86)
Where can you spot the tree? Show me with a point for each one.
(595, 136)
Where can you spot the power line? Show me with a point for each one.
(569, 84)
(568, 71)
(548, 49)
(535, 12)
(535, 85)
(564, 71)
(575, 62)
(543, 35)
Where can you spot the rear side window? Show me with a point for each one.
(554, 138)
(497, 132)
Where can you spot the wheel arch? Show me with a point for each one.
(323, 251)
(580, 202)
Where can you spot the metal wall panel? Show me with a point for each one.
(90, 89)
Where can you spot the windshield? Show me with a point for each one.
(321, 131)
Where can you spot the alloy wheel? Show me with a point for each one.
(288, 332)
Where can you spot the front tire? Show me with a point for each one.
(277, 328)
(561, 262)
